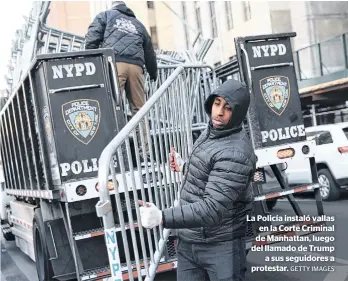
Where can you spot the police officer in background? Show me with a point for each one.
(119, 29)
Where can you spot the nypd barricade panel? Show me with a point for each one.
(82, 112)
(275, 102)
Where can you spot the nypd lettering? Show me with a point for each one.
(283, 133)
(113, 253)
(73, 70)
(82, 117)
(77, 167)
(270, 50)
(275, 91)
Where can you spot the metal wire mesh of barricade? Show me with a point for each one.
(199, 83)
(170, 57)
(163, 122)
(51, 40)
(56, 41)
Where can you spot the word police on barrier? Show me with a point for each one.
(283, 133)
(83, 167)
(77, 167)
(276, 117)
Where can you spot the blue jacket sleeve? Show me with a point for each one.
(95, 34)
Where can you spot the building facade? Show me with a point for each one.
(175, 25)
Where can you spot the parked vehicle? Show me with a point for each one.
(331, 156)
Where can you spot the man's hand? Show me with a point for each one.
(176, 162)
(150, 215)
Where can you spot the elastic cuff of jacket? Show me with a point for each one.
(181, 168)
(181, 163)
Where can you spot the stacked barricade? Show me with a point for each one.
(173, 111)
(166, 120)
(199, 82)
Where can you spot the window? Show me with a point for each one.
(229, 19)
(246, 10)
(198, 16)
(321, 137)
(153, 31)
(213, 19)
(150, 5)
(184, 13)
(324, 138)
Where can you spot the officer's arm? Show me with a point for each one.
(150, 56)
(230, 176)
(95, 34)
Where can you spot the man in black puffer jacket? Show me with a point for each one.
(216, 194)
(120, 30)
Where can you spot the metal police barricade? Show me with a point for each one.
(68, 108)
(53, 128)
(278, 152)
(276, 127)
(52, 40)
(166, 120)
(199, 83)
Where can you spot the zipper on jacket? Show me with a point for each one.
(198, 145)
(188, 164)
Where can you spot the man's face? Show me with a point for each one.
(221, 113)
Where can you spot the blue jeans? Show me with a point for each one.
(221, 261)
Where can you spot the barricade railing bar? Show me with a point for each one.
(162, 123)
(199, 83)
(56, 41)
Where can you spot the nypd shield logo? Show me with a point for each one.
(275, 91)
(82, 117)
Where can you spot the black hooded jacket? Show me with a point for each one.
(216, 193)
(120, 30)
